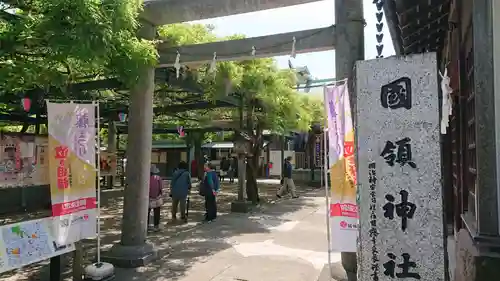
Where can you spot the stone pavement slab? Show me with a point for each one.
(284, 241)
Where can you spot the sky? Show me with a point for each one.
(302, 17)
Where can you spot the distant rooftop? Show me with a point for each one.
(214, 145)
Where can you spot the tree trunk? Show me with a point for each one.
(25, 128)
(255, 131)
(253, 168)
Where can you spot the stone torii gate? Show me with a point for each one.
(346, 37)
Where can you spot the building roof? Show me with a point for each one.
(417, 26)
(223, 145)
(168, 144)
(219, 145)
(214, 145)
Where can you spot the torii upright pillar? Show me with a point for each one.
(349, 48)
(133, 250)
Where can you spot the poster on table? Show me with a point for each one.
(23, 160)
(72, 169)
(343, 209)
(29, 242)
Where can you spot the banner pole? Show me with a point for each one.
(98, 173)
(327, 201)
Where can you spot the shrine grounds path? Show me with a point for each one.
(280, 240)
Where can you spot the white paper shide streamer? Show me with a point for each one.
(177, 65)
(213, 64)
(447, 101)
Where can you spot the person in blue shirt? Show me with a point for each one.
(180, 187)
(209, 189)
(288, 183)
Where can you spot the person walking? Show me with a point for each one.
(179, 191)
(288, 183)
(209, 188)
(155, 197)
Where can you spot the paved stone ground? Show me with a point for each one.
(284, 240)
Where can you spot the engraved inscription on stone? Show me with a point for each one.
(401, 227)
(396, 94)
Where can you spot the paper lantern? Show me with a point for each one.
(26, 104)
(180, 130)
(122, 116)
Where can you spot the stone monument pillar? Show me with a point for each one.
(399, 173)
(133, 250)
(241, 147)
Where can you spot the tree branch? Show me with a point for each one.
(68, 68)
(30, 54)
(183, 117)
(11, 18)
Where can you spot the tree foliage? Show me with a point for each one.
(57, 42)
(273, 102)
(267, 91)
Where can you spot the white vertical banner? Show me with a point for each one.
(343, 209)
(72, 170)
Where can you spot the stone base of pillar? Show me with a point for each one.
(335, 272)
(474, 261)
(109, 278)
(350, 265)
(241, 207)
(130, 256)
